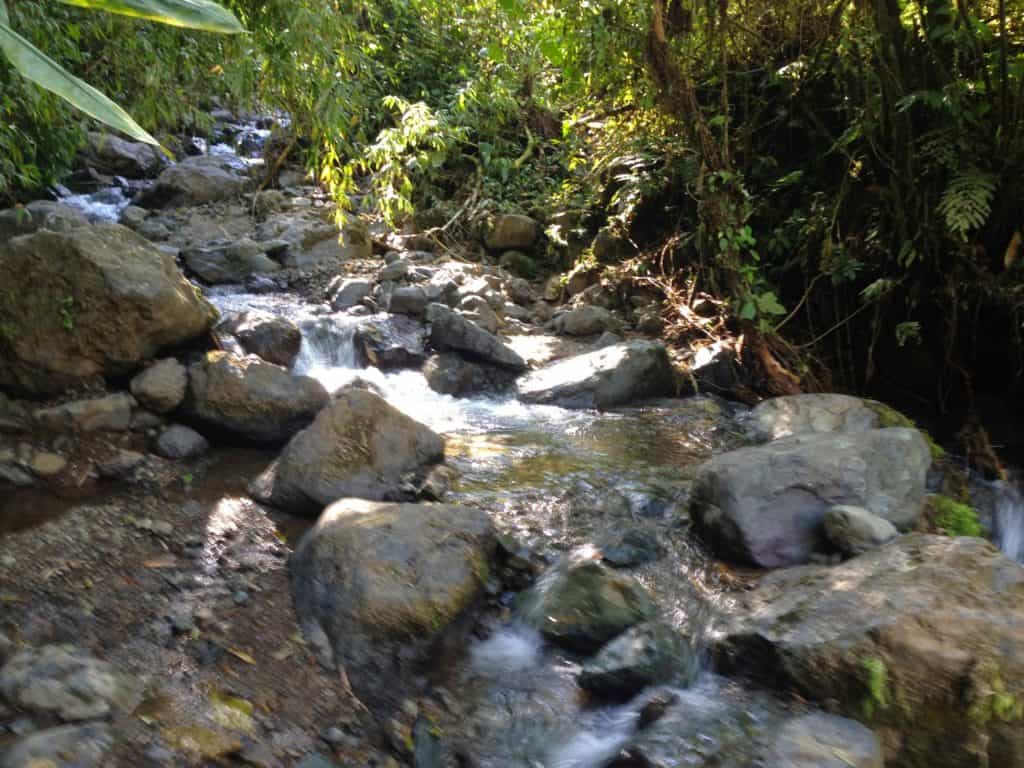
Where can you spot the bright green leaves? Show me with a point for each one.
(36, 66)
(193, 14)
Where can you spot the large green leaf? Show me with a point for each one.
(45, 72)
(195, 14)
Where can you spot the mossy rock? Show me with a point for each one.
(519, 264)
(950, 517)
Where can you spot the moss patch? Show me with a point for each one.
(877, 682)
(951, 517)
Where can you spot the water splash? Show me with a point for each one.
(104, 206)
(1009, 519)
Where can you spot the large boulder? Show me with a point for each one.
(810, 414)
(510, 231)
(581, 606)
(252, 398)
(385, 571)
(197, 180)
(389, 342)
(39, 214)
(765, 505)
(450, 331)
(275, 339)
(647, 654)
(359, 446)
(232, 261)
(606, 378)
(449, 374)
(922, 639)
(91, 302)
(118, 157)
(65, 681)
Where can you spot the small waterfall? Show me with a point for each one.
(1009, 519)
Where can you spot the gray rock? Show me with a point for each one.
(644, 655)
(520, 292)
(345, 294)
(275, 339)
(920, 639)
(607, 339)
(824, 741)
(581, 606)
(127, 301)
(634, 547)
(180, 442)
(359, 446)
(389, 342)
(197, 180)
(390, 571)
(115, 156)
(766, 504)
(449, 331)
(585, 321)
(810, 414)
(68, 746)
(854, 530)
(133, 216)
(110, 413)
(161, 387)
(251, 397)
(512, 232)
(229, 261)
(394, 271)
(40, 214)
(408, 300)
(66, 681)
(478, 310)
(606, 378)
(122, 464)
(449, 374)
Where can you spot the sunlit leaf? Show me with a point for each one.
(36, 66)
(194, 14)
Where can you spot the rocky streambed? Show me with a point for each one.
(272, 499)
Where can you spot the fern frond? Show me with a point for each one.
(967, 202)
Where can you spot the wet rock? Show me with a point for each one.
(854, 530)
(48, 464)
(110, 413)
(161, 387)
(603, 379)
(251, 397)
(635, 547)
(69, 746)
(408, 300)
(449, 331)
(644, 655)
(115, 156)
(126, 302)
(197, 180)
(920, 637)
(581, 606)
(389, 342)
(66, 681)
(275, 339)
(766, 504)
(181, 442)
(228, 262)
(585, 321)
(654, 709)
(809, 414)
(345, 294)
(449, 374)
(823, 741)
(390, 571)
(359, 446)
(40, 214)
(512, 232)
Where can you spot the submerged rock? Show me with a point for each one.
(450, 331)
(581, 606)
(766, 504)
(252, 398)
(606, 378)
(390, 571)
(275, 339)
(65, 681)
(95, 301)
(922, 639)
(644, 655)
(359, 446)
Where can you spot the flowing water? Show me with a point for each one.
(1008, 519)
(567, 483)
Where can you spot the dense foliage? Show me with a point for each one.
(845, 175)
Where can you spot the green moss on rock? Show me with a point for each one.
(951, 517)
